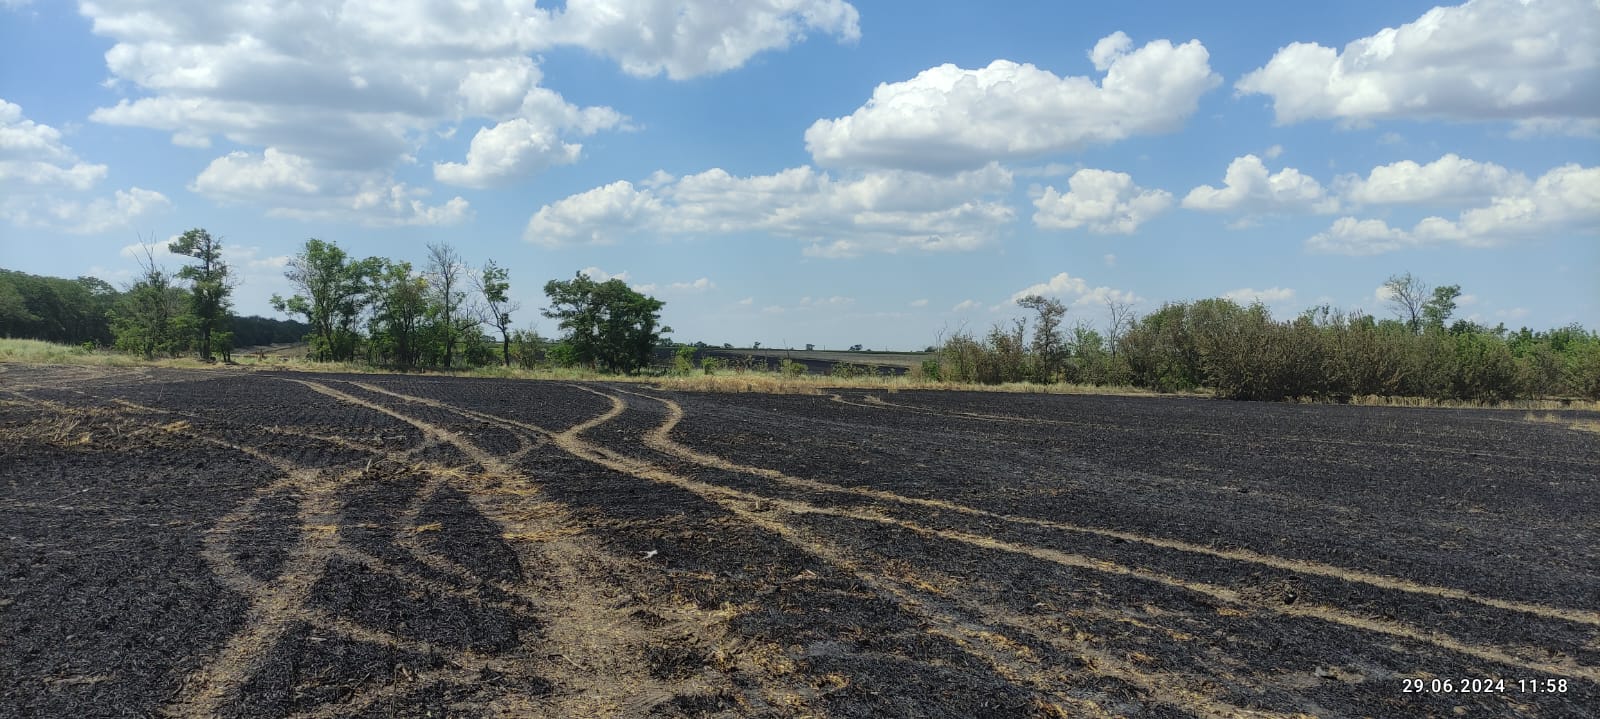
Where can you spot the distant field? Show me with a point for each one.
(822, 362)
(193, 543)
(294, 350)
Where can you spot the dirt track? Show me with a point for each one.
(350, 545)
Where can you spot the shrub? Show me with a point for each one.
(845, 370)
(791, 368)
(682, 360)
(1583, 370)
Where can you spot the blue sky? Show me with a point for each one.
(817, 171)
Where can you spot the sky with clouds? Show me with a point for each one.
(821, 171)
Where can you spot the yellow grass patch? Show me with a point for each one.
(1573, 423)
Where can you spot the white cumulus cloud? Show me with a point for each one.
(598, 216)
(1565, 200)
(1530, 62)
(699, 285)
(688, 38)
(1449, 179)
(599, 275)
(1077, 291)
(43, 183)
(951, 118)
(1270, 296)
(83, 217)
(1250, 189)
(886, 211)
(292, 186)
(34, 154)
(364, 86)
(1102, 201)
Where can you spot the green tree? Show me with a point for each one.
(608, 325)
(333, 291)
(494, 283)
(1049, 347)
(144, 320)
(208, 284)
(14, 313)
(1437, 310)
(399, 313)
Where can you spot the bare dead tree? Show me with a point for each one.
(1121, 315)
(447, 281)
(1408, 295)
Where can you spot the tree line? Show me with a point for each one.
(87, 310)
(376, 310)
(1242, 352)
(390, 313)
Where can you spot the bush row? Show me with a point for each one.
(1241, 352)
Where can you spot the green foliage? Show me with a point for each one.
(790, 368)
(400, 312)
(209, 289)
(334, 290)
(1243, 353)
(609, 326)
(527, 348)
(55, 309)
(564, 354)
(144, 320)
(929, 370)
(683, 360)
(711, 365)
(253, 331)
(495, 284)
(847, 370)
(1583, 369)
(1161, 351)
(1437, 310)
(1478, 367)
(1049, 346)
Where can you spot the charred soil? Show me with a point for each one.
(198, 544)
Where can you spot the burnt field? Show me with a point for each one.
(228, 544)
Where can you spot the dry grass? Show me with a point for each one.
(730, 381)
(40, 352)
(1574, 423)
(775, 383)
(1515, 404)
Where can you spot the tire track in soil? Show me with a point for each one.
(660, 440)
(278, 607)
(586, 627)
(1218, 593)
(1010, 660)
(872, 401)
(272, 608)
